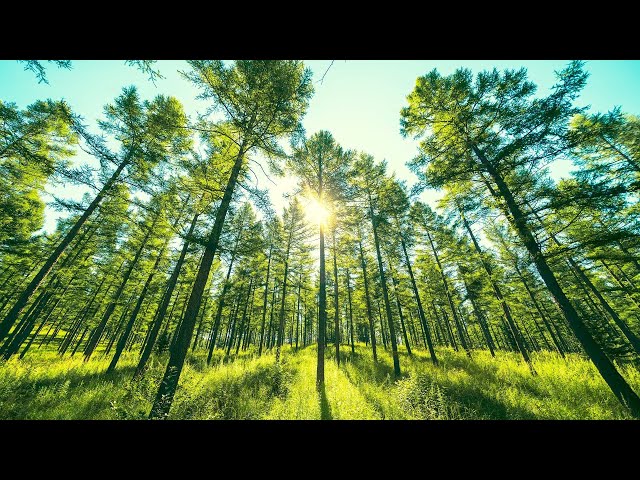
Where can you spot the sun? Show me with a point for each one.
(316, 212)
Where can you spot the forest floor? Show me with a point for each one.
(45, 386)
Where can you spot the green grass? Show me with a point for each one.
(45, 386)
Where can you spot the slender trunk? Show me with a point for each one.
(382, 330)
(394, 281)
(134, 314)
(244, 315)
(416, 294)
(269, 343)
(542, 315)
(283, 298)
(159, 315)
(86, 329)
(95, 337)
(264, 301)
(353, 348)
(322, 315)
(385, 294)
(221, 301)
(232, 324)
(298, 311)
(480, 317)
(498, 293)
(336, 317)
(167, 389)
(372, 331)
(445, 284)
(200, 323)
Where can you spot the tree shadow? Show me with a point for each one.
(325, 408)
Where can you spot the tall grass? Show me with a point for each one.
(43, 385)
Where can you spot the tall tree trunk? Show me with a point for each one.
(540, 312)
(167, 389)
(244, 314)
(447, 292)
(322, 315)
(353, 348)
(498, 293)
(607, 369)
(372, 330)
(164, 305)
(264, 301)
(336, 317)
(394, 281)
(416, 294)
(298, 311)
(200, 323)
(134, 314)
(385, 294)
(95, 337)
(482, 321)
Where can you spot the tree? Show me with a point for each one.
(34, 145)
(484, 132)
(371, 185)
(262, 102)
(149, 133)
(321, 166)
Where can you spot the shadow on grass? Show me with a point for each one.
(379, 372)
(325, 408)
(76, 379)
(247, 396)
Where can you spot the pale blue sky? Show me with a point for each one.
(359, 101)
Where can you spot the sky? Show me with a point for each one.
(358, 101)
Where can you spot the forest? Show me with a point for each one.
(175, 289)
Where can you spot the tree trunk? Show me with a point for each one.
(456, 320)
(498, 293)
(542, 315)
(402, 325)
(385, 294)
(336, 318)
(264, 302)
(93, 340)
(167, 389)
(416, 294)
(164, 305)
(244, 314)
(134, 314)
(372, 330)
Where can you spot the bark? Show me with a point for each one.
(95, 337)
(498, 293)
(167, 389)
(336, 318)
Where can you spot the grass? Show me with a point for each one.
(45, 386)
